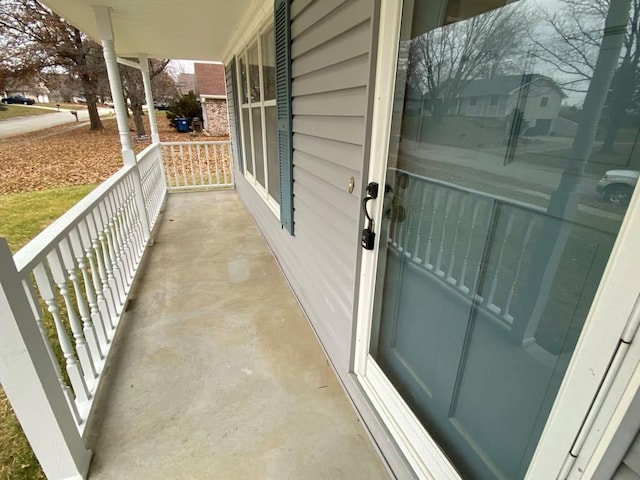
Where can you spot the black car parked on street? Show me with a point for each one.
(19, 99)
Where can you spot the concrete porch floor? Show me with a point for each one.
(216, 373)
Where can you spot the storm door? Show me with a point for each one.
(497, 217)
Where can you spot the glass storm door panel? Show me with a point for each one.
(499, 216)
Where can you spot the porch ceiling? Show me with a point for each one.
(195, 30)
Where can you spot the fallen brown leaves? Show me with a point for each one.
(64, 156)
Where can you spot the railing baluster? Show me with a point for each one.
(110, 289)
(229, 153)
(88, 237)
(496, 276)
(125, 250)
(197, 147)
(423, 201)
(115, 224)
(113, 269)
(124, 197)
(226, 166)
(454, 245)
(74, 368)
(207, 155)
(447, 210)
(135, 221)
(174, 166)
(434, 210)
(465, 263)
(216, 160)
(408, 218)
(516, 276)
(91, 321)
(193, 170)
(84, 355)
(184, 168)
(38, 315)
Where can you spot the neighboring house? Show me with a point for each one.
(36, 90)
(482, 321)
(186, 83)
(537, 96)
(210, 87)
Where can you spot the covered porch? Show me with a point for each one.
(150, 334)
(215, 372)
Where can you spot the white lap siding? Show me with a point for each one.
(331, 68)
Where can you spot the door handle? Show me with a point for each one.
(368, 235)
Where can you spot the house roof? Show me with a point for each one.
(194, 30)
(504, 85)
(210, 79)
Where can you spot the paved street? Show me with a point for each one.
(21, 125)
(484, 170)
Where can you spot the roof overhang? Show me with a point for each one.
(195, 30)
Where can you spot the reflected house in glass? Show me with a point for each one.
(538, 96)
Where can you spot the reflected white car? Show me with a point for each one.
(617, 185)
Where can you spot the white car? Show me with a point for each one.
(617, 185)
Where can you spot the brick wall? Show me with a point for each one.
(217, 118)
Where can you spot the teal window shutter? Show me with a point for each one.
(282, 25)
(233, 88)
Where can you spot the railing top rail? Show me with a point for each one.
(213, 142)
(505, 200)
(32, 253)
(146, 151)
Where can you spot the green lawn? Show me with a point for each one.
(12, 111)
(22, 217)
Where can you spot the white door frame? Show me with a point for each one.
(609, 314)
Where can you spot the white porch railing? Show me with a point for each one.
(62, 297)
(197, 165)
(483, 247)
(152, 179)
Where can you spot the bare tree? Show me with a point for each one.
(570, 39)
(43, 41)
(442, 62)
(133, 87)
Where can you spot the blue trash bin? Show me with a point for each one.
(182, 125)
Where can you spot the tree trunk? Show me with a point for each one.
(137, 119)
(92, 102)
(622, 91)
(563, 204)
(94, 117)
(438, 110)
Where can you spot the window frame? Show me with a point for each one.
(255, 39)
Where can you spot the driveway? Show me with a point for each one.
(21, 125)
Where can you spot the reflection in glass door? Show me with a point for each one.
(512, 159)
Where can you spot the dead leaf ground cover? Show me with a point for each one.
(65, 156)
(42, 175)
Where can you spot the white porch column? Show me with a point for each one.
(31, 383)
(103, 20)
(146, 79)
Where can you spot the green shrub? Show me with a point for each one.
(186, 106)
